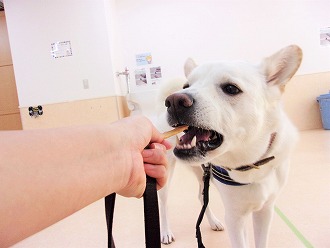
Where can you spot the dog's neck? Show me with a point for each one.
(263, 160)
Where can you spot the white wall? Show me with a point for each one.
(218, 30)
(107, 34)
(33, 25)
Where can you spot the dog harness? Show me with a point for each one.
(260, 162)
(220, 173)
(222, 176)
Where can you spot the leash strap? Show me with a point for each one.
(206, 179)
(151, 215)
(109, 210)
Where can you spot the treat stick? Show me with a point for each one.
(174, 131)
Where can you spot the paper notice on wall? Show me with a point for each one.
(61, 49)
(146, 74)
(141, 77)
(155, 75)
(325, 36)
(143, 59)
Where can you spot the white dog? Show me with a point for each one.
(238, 127)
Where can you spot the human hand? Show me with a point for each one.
(155, 163)
(134, 135)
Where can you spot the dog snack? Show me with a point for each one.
(175, 131)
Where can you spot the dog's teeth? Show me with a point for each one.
(177, 140)
(186, 146)
(193, 142)
(178, 146)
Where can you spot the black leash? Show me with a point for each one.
(151, 215)
(109, 210)
(206, 179)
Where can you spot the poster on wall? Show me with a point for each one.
(147, 74)
(141, 77)
(61, 49)
(325, 36)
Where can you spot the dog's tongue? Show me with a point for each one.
(201, 135)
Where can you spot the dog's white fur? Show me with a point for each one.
(246, 121)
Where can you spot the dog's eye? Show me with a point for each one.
(185, 86)
(231, 89)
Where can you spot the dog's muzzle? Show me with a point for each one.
(198, 139)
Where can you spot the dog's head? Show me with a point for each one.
(229, 104)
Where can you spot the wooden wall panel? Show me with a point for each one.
(5, 55)
(10, 122)
(300, 99)
(9, 111)
(92, 111)
(8, 91)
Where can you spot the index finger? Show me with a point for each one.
(158, 137)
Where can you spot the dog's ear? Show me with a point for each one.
(281, 66)
(189, 66)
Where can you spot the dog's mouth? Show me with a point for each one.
(197, 141)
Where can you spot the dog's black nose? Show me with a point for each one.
(179, 100)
